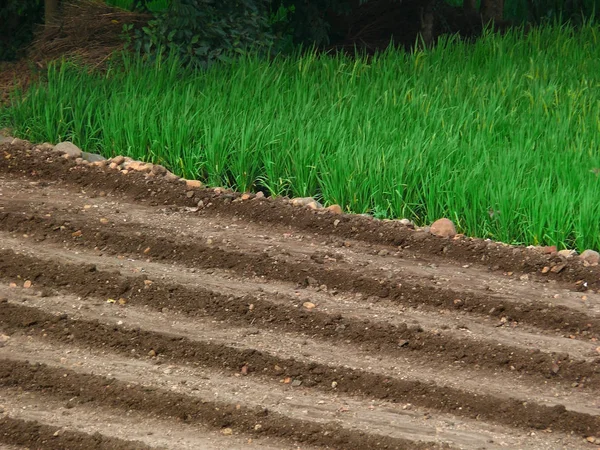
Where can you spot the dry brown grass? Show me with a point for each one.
(87, 29)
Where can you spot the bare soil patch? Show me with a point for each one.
(234, 306)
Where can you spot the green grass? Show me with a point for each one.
(502, 136)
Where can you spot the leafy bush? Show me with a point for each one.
(18, 18)
(280, 23)
(309, 21)
(204, 31)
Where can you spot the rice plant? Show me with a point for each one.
(502, 135)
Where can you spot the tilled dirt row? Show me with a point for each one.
(32, 434)
(255, 323)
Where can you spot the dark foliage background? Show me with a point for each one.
(18, 19)
(204, 31)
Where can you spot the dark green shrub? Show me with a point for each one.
(281, 27)
(18, 18)
(205, 31)
(309, 22)
(574, 11)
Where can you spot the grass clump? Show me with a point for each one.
(502, 136)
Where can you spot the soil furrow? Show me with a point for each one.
(67, 384)
(299, 347)
(269, 317)
(25, 161)
(390, 339)
(119, 339)
(453, 323)
(40, 436)
(127, 425)
(136, 239)
(375, 417)
(283, 241)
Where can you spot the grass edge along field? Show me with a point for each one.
(502, 136)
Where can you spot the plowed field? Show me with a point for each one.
(132, 318)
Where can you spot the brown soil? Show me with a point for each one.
(14, 75)
(258, 323)
(32, 434)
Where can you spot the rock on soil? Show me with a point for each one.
(92, 157)
(68, 148)
(193, 183)
(18, 142)
(443, 228)
(306, 201)
(590, 256)
(567, 253)
(118, 160)
(336, 209)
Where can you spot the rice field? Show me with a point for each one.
(502, 136)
